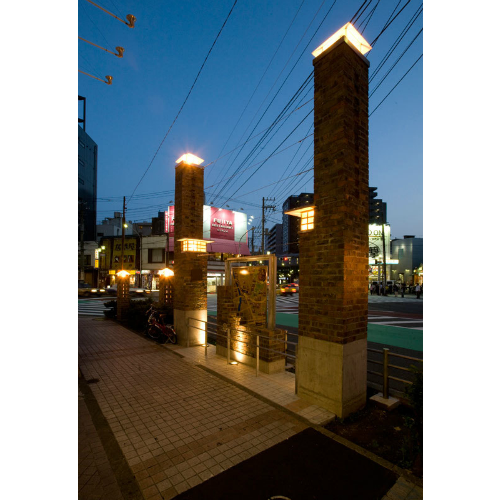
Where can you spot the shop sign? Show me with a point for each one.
(169, 220)
(129, 251)
(221, 224)
(375, 240)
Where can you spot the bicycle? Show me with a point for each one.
(157, 329)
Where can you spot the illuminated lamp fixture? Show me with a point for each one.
(243, 271)
(166, 272)
(123, 274)
(190, 159)
(352, 35)
(194, 245)
(306, 215)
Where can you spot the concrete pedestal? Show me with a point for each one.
(190, 327)
(332, 375)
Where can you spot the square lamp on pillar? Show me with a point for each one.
(194, 245)
(306, 215)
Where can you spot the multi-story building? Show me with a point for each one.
(378, 208)
(274, 240)
(87, 184)
(409, 251)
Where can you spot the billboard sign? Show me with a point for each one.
(375, 240)
(221, 224)
(169, 220)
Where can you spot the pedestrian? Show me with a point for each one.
(418, 290)
(381, 289)
(372, 289)
(395, 288)
(403, 289)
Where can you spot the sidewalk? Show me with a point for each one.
(170, 419)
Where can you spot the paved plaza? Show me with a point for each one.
(156, 421)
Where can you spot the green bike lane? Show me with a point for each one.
(395, 336)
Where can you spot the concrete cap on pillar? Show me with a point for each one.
(352, 35)
(190, 159)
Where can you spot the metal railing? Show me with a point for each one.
(211, 328)
(385, 368)
(257, 336)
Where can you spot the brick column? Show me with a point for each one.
(333, 305)
(190, 268)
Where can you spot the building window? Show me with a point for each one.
(80, 180)
(87, 260)
(81, 162)
(156, 255)
(81, 143)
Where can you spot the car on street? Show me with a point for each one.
(86, 290)
(288, 289)
(133, 291)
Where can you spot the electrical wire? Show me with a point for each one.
(389, 93)
(298, 59)
(395, 64)
(258, 84)
(388, 24)
(185, 100)
(398, 40)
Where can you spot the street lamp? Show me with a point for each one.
(239, 243)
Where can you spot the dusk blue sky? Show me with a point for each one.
(163, 54)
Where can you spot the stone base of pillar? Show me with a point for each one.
(194, 334)
(332, 375)
(268, 367)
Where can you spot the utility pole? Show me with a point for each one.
(264, 206)
(123, 233)
(383, 255)
(253, 230)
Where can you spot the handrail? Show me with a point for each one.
(385, 363)
(257, 345)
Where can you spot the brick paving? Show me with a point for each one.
(177, 425)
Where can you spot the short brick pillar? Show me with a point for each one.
(190, 268)
(243, 336)
(333, 301)
(122, 297)
(166, 295)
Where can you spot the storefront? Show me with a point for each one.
(213, 281)
(228, 232)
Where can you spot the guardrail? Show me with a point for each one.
(385, 368)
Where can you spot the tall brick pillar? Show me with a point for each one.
(190, 268)
(333, 303)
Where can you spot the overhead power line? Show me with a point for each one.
(185, 100)
(389, 23)
(396, 85)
